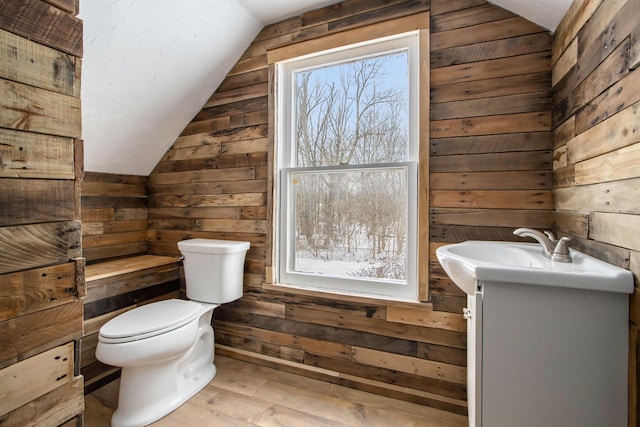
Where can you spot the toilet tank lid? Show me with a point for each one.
(211, 246)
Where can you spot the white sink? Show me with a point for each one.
(511, 262)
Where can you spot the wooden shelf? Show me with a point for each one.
(126, 265)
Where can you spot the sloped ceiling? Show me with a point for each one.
(546, 13)
(149, 66)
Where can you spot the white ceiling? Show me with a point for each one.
(546, 13)
(150, 65)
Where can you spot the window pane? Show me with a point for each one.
(353, 112)
(351, 223)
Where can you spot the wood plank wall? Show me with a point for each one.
(490, 157)
(596, 121)
(41, 272)
(114, 216)
(491, 161)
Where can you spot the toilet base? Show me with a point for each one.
(150, 391)
(136, 415)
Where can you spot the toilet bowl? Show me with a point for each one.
(166, 348)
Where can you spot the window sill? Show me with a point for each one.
(344, 296)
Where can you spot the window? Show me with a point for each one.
(347, 147)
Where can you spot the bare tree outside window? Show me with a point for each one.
(352, 221)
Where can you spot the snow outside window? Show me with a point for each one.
(347, 159)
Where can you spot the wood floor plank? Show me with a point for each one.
(278, 415)
(420, 412)
(313, 403)
(201, 417)
(229, 403)
(247, 395)
(272, 374)
(238, 382)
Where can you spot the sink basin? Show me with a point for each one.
(512, 262)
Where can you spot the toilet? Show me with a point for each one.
(166, 348)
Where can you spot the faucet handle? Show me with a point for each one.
(561, 251)
(551, 236)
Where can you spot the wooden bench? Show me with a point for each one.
(114, 287)
(119, 267)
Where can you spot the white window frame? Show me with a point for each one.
(285, 112)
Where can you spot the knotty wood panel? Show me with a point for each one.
(32, 155)
(33, 290)
(490, 50)
(498, 180)
(426, 317)
(36, 376)
(467, 13)
(525, 103)
(42, 23)
(624, 93)
(444, 395)
(530, 141)
(614, 196)
(485, 32)
(24, 336)
(119, 301)
(491, 217)
(41, 272)
(409, 365)
(36, 200)
(341, 11)
(612, 69)
(397, 10)
(617, 165)
(507, 161)
(498, 124)
(492, 68)
(70, 6)
(634, 54)
(595, 116)
(491, 87)
(578, 13)
(27, 62)
(51, 409)
(617, 132)
(33, 109)
(31, 246)
(492, 199)
(114, 209)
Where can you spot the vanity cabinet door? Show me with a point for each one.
(553, 356)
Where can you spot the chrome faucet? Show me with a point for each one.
(555, 250)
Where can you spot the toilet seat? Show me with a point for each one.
(149, 320)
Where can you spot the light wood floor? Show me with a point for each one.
(244, 394)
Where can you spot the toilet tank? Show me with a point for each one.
(213, 269)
